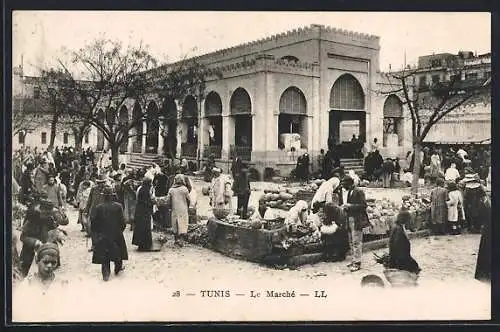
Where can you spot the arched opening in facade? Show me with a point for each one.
(152, 128)
(347, 118)
(292, 120)
(100, 136)
(111, 117)
(393, 122)
(241, 112)
(122, 127)
(137, 130)
(189, 121)
(290, 58)
(213, 118)
(169, 122)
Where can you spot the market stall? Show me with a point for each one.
(272, 243)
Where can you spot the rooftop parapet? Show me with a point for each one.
(295, 35)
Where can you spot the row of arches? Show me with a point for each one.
(347, 103)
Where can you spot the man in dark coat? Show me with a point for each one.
(483, 265)
(354, 206)
(160, 183)
(27, 185)
(241, 187)
(95, 198)
(108, 224)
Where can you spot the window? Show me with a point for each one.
(44, 138)
(65, 138)
(36, 92)
(435, 79)
(21, 138)
(471, 76)
(422, 81)
(436, 63)
(87, 138)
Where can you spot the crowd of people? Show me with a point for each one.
(107, 200)
(162, 196)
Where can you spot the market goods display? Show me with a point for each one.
(382, 214)
(279, 198)
(221, 213)
(198, 235)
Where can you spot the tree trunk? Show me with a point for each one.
(417, 149)
(53, 128)
(115, 154)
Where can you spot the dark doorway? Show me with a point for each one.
(153, 128)
(342, 126)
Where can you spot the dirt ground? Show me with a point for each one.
(145, 291)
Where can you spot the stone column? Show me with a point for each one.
(227, 135)
(130, 142)
(203, 138)
(161, 141)
(144, 134)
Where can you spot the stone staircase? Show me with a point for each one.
(142, 160)
(353, 164)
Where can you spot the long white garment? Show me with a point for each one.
(451, 174)
(325, 191)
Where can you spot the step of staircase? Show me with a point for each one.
(143, 160)
(355, 165)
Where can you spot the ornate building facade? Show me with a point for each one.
(273, 99)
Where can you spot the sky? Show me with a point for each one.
(38, 36)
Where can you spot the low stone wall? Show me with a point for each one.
(239, 242)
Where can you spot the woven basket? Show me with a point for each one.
(400, 278)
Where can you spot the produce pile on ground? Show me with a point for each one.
(416, 202)
(381, 214)
(197, 234)
(302, 241)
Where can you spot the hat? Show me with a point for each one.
(47, 249)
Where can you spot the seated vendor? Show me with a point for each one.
(325, 193)
(297, 215)
(334, 236)
(400, 247)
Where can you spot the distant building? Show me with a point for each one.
(472, 122)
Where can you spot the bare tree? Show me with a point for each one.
(104, 75)
(429, 104)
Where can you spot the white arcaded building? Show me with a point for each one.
(318, 82)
